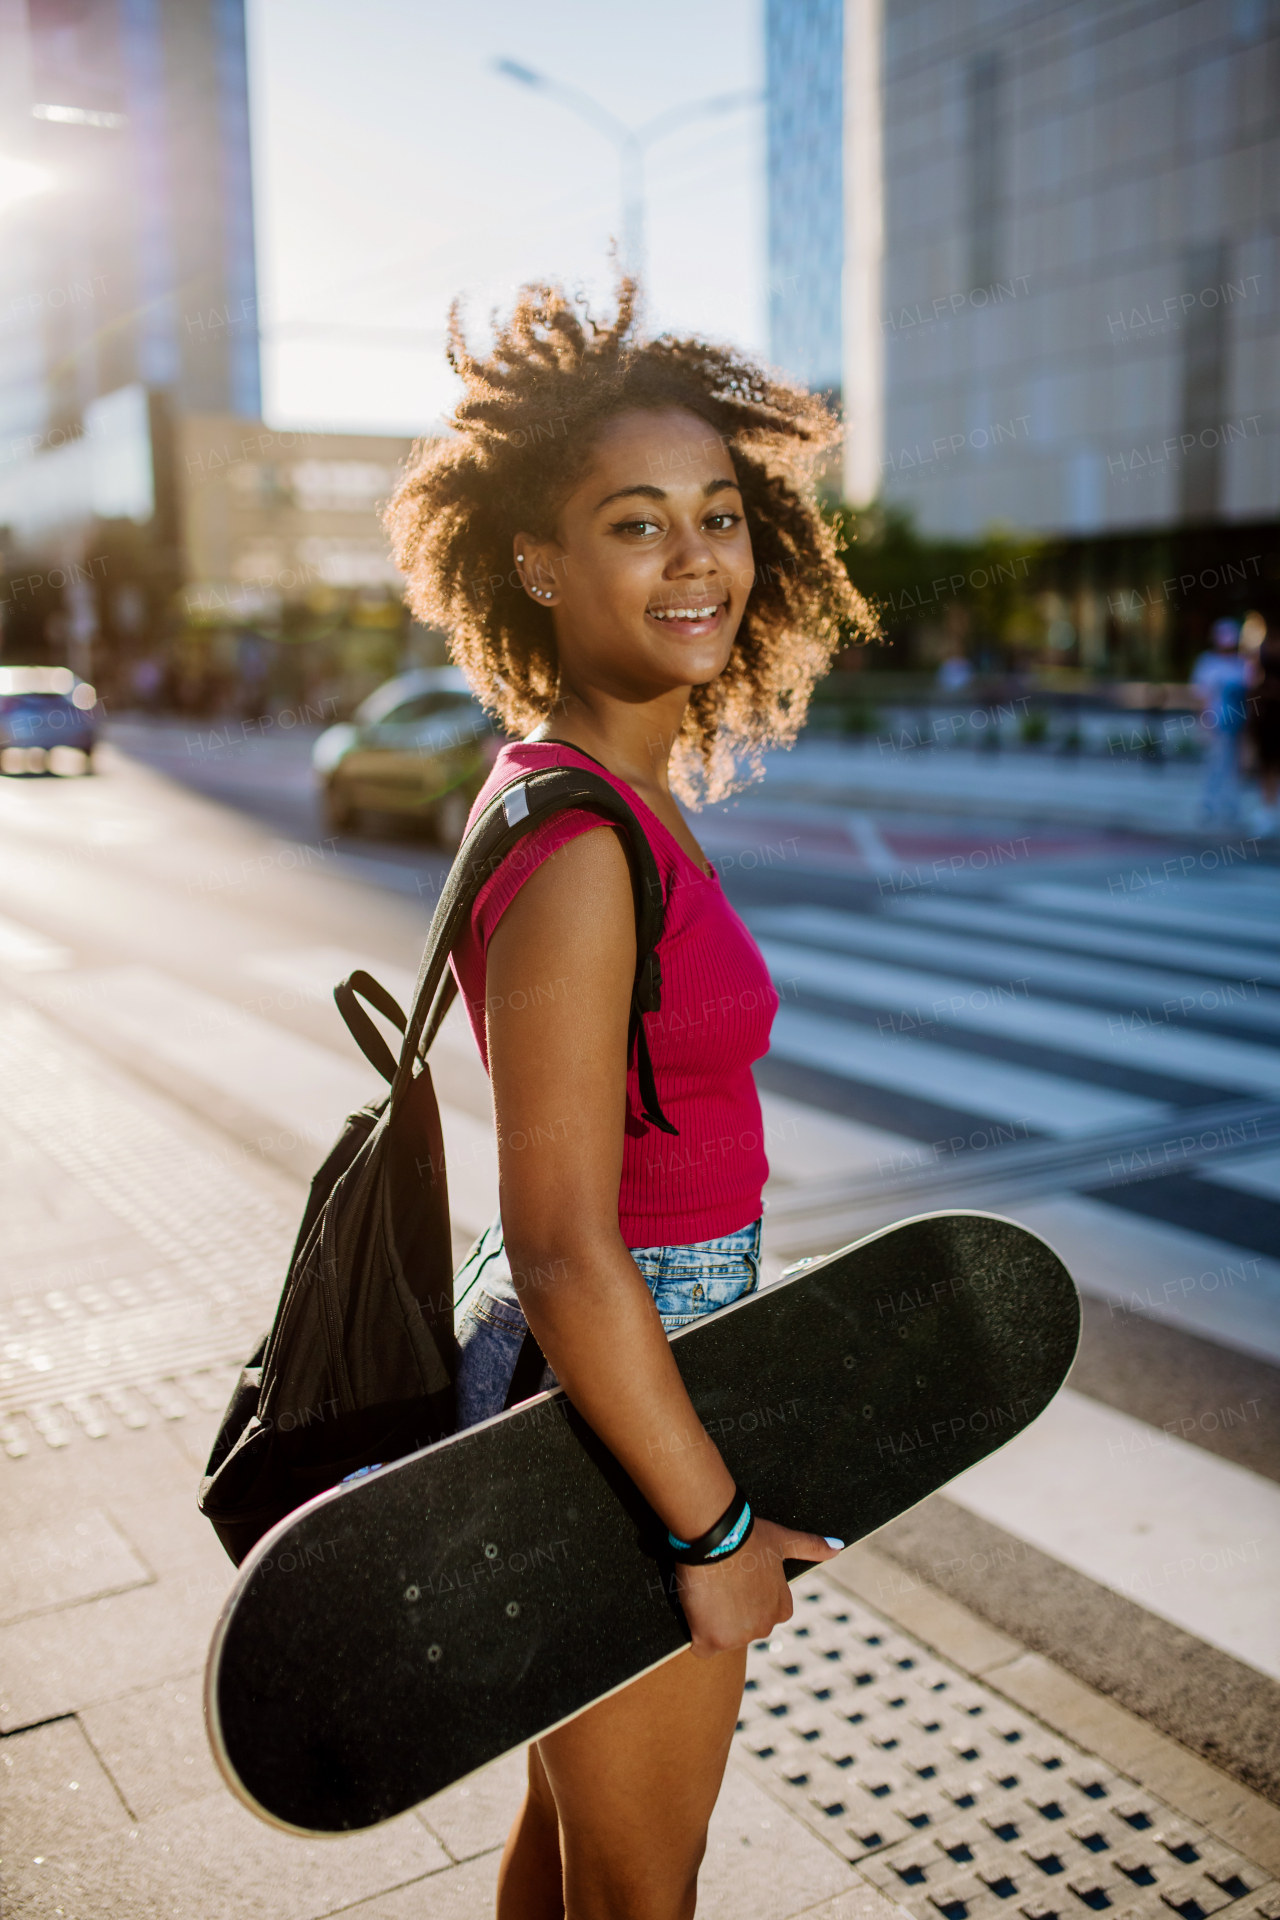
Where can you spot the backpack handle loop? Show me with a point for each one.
(360, 1026)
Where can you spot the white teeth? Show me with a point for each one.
(685, 613)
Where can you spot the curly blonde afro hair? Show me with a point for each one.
(522, 436)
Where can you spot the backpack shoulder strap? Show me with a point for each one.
(515, 810)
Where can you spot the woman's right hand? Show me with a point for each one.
(746, 1596)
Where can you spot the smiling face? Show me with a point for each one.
(651, 564)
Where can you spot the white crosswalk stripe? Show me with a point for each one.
(1134, 904)
(1141, 1511)
(1088, 936)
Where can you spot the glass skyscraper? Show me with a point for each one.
(134, 266)
(804, 46)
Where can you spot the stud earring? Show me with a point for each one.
(519, 556)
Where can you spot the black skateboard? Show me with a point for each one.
(401, 1631)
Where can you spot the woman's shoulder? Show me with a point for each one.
(530, 756)
(518, 757)
(550, 837)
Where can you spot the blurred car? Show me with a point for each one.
(420, 747)
(48, 721)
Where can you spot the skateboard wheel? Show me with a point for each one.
(513, 1608)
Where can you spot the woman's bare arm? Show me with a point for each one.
(559, 973)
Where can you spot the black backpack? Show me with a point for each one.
(359, 1364)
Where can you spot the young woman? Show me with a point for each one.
(623, 543)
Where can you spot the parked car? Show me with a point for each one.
(420, 747)
(48, 721)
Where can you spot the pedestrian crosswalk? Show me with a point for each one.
(1030, 1005)
(1068, 968)
(1152, 897)
(942, 1081)
(1155, 1037)
(1059, 1011)
(1046, 1009)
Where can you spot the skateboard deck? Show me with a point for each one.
(401, 1631)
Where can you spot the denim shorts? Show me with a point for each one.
(685, 1282)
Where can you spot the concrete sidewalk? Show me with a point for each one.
(895, 1752)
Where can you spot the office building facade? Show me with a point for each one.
(1067, 224)
(1080, 299)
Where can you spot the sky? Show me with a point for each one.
(394, 169)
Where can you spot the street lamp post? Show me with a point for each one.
(631, 142)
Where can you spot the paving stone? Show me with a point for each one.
(194, 1436)
(860, 1902)
(61, 1562)
(154, 1746)
(173, 1536)
(476, 1816)
(167, 1257)
(57, 1800)
(214, 1861)
(465, 1892)
(135, 1467)
(752, 1871)
(60, 1662)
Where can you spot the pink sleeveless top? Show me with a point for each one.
(718, 1004)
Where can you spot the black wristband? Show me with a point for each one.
(727, 1537)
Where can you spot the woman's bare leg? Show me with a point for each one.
(530, 1879)
(632, 1783)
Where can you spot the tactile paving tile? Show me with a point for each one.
(952, 1801)
(128, 1349)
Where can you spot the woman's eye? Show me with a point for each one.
(722, 520)
(637, 526)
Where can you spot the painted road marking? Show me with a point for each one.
(1185, 1533)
